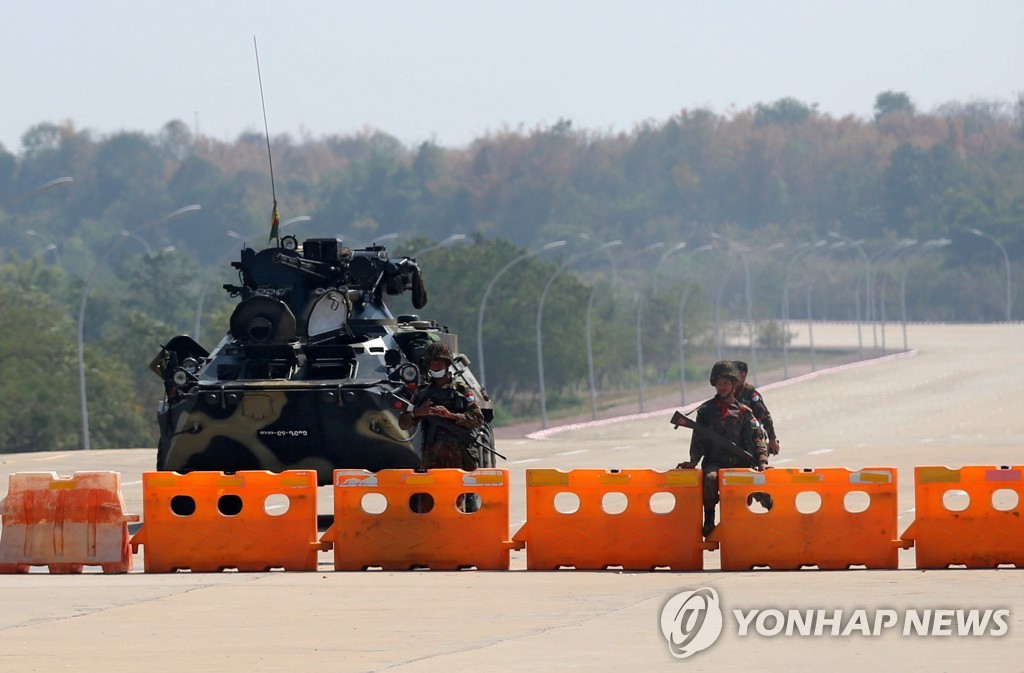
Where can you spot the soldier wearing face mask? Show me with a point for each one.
(445, 410)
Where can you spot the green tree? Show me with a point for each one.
(890, 103)
(784, 112)
(37, 367)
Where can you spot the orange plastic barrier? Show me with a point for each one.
(375, 524)
(831, 537)
(210, 521)
(64, 523)
(979, 535)
(657, 524)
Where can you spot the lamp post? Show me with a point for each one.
(540, 315)
(48, 248)
(81, 310)
(50, 245)
(45, 187)
(803, 250)
(487, 293)
(682, 341)
(927, 245)
(56, 182)
(897, 249)
(590, 357)
(869, 303)
(590, 341)
(292, 220)
(143, 242)
(1006, 259)
(206, 286)
(639, 321)
(750, 302)
(856, 310)
(375, 240)
(450, 239)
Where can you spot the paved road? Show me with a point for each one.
(950, 401)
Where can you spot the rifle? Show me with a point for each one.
(469, 437)
(716, 439)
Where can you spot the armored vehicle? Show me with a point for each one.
(313, 371)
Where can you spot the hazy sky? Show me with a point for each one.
(452, 71)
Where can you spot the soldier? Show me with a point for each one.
(448, 412)
(747, 394)
(735, 422)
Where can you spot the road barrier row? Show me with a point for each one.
(587, 519)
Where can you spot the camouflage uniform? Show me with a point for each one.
(735, 422)
(442, 447)
(748, 395)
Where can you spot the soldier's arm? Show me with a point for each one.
(759, 442)
(763, 415)
(407, 419)
(697, 449)
(472, 418)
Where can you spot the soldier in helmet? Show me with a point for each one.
(736, 422)
(747, 394)
(447, 413)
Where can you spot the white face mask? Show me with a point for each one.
(440, 374)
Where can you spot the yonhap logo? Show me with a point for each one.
(691, 621)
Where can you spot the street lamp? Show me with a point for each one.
(682, 310)
(869, 298)
(374, 240)
(145, 244)
(45, 187)
(897, 249)
(450, 239)
(487, 293)
(50, 245)
(639, 321)
(540, 314)
(292, 220)
(590, 357)
(48, 248)
(81, 310)
(1006, 258)
(206, 286)
(803, 250)
(750, 301)
(927, 245)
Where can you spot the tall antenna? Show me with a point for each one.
(275, 219)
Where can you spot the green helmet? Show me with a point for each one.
(438, 351)
(724, 368)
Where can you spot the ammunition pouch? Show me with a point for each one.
(467, 440)
(471, 457)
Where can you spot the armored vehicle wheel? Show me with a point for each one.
(487, 458)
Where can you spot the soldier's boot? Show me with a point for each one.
(468, 503)
(709, 521)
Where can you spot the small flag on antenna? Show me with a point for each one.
(274, 224)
